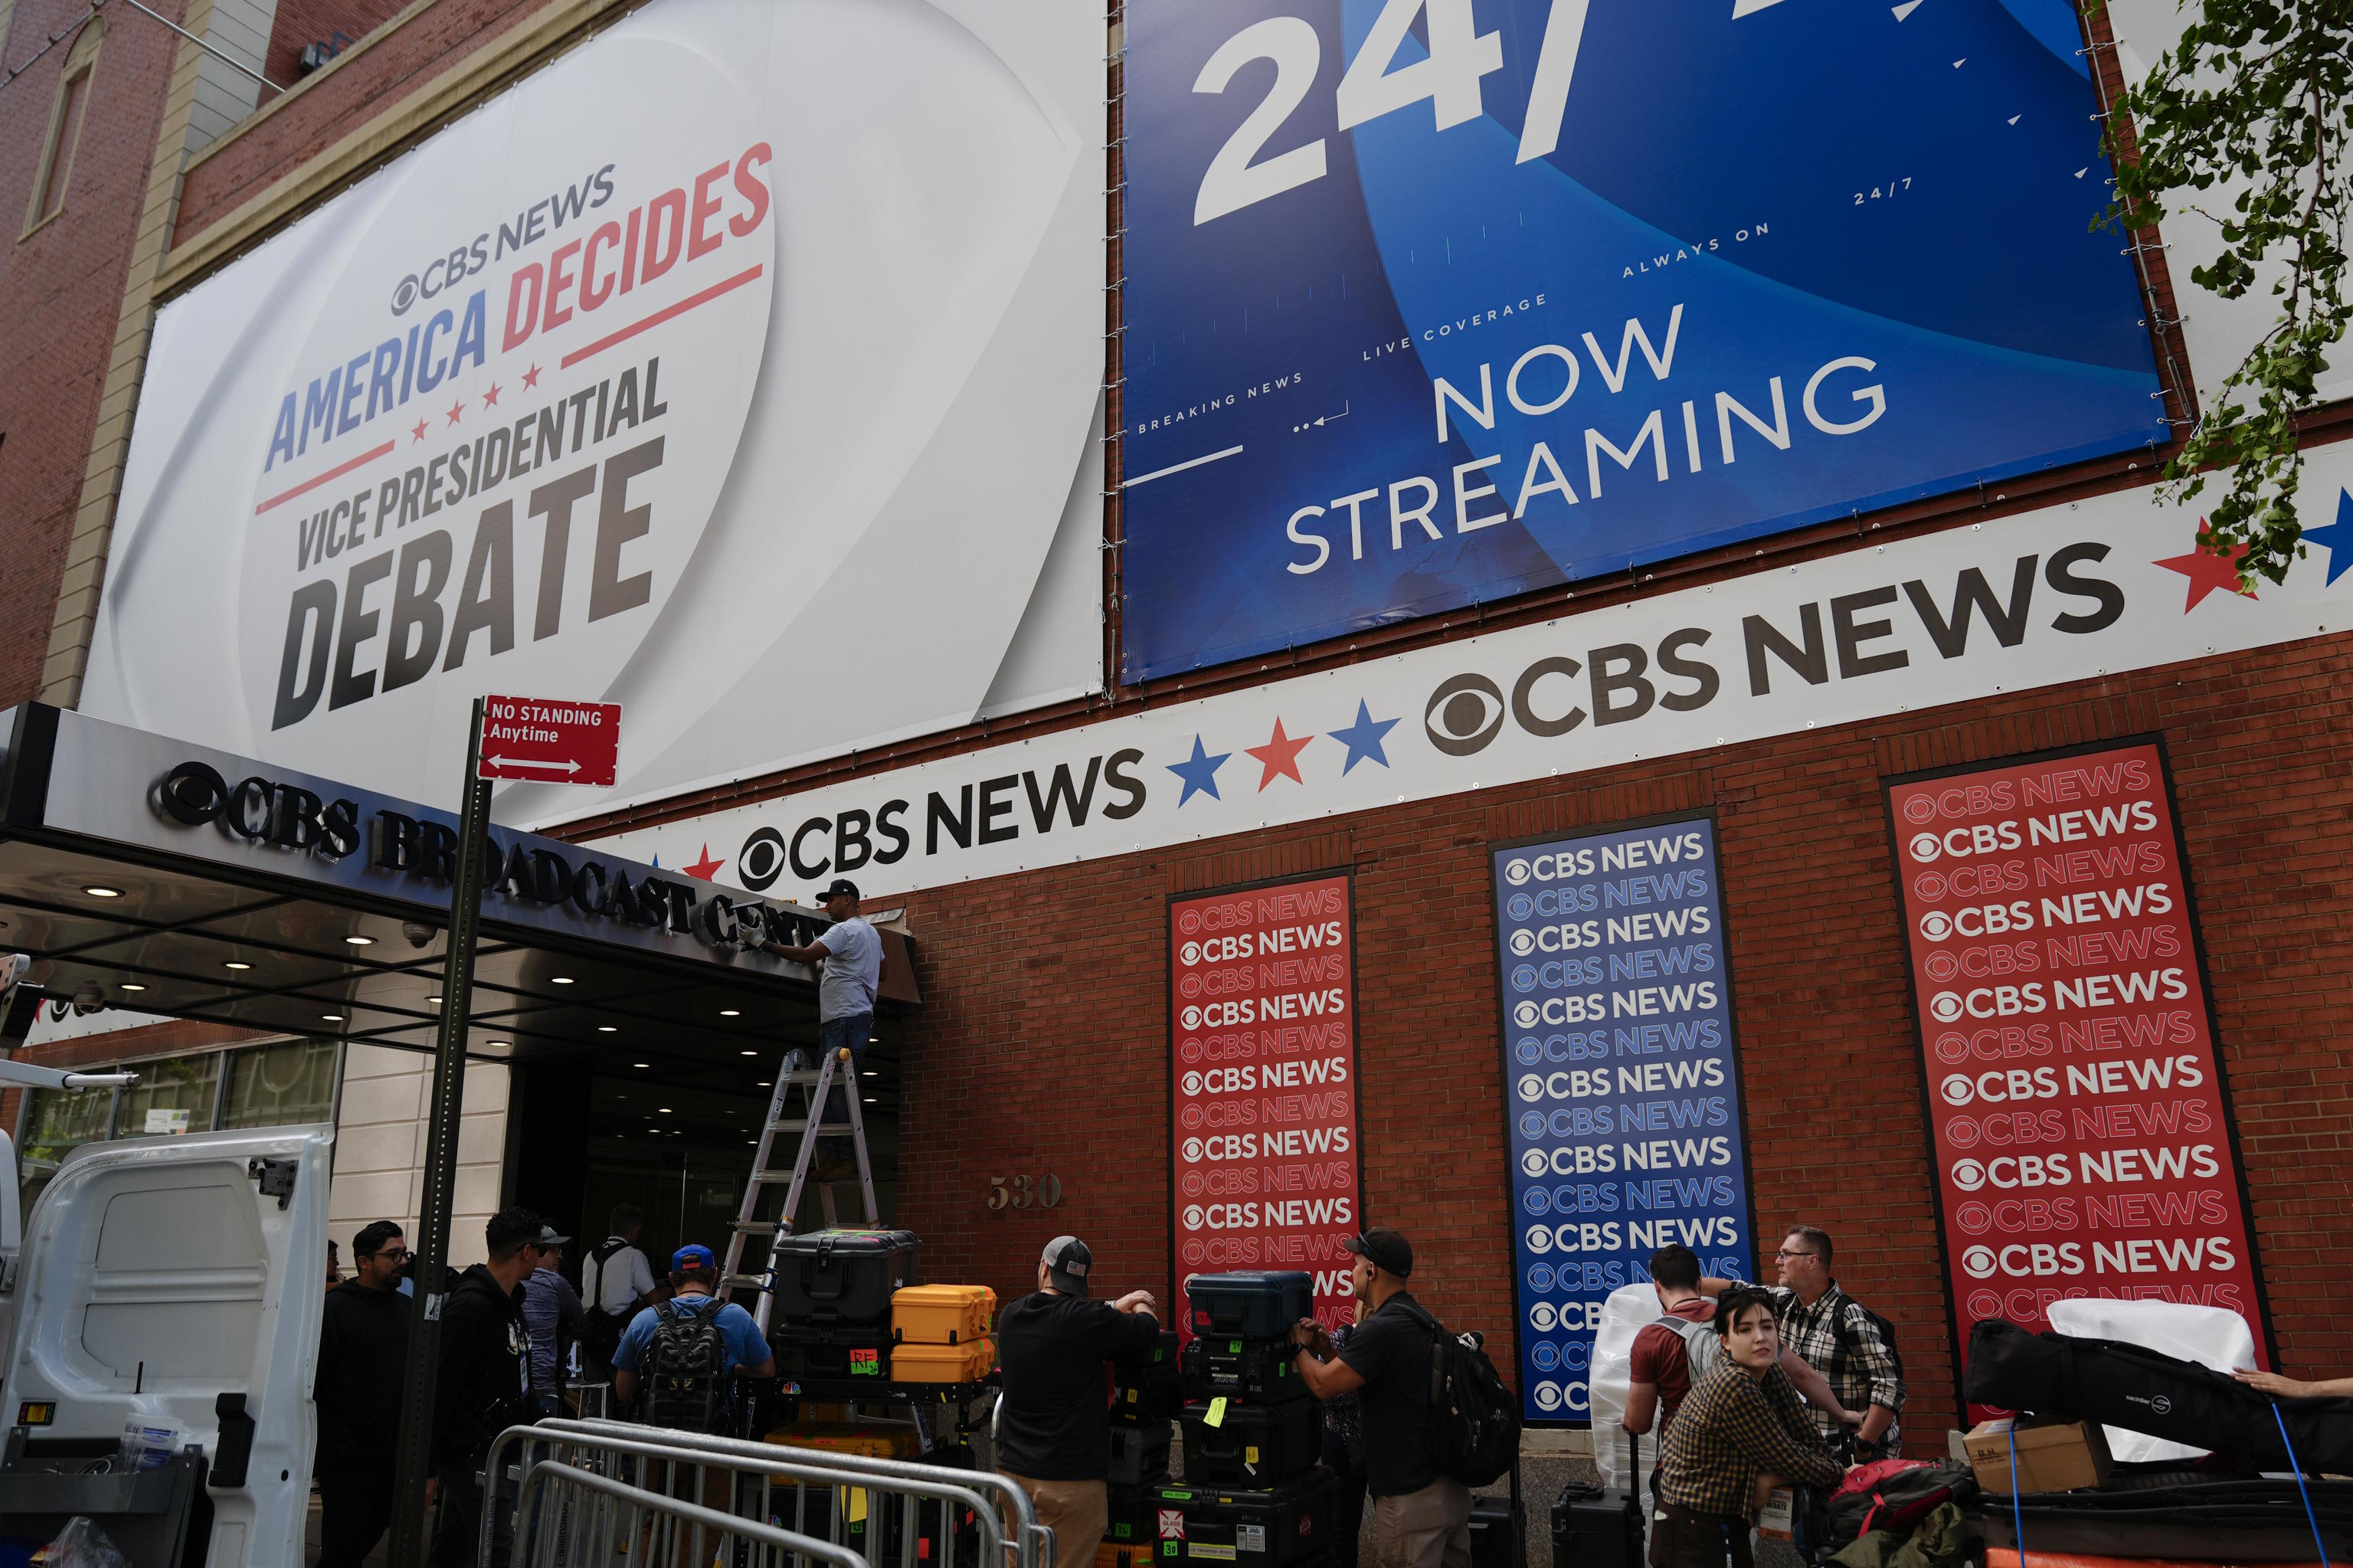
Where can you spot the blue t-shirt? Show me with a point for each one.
(745, 1348)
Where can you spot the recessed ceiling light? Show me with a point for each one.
(129, 985)
(233, 964)
(641, 1064)
(873, 1101)
(761, 1084)
(433, 1001)
(359, 941)
(731, 1013)
(332, 1017)
(870, 1074)
(103, 892)
(607, 1029)
(562, 979)
(664, 1110)
(747, 1053)
(500, 1045)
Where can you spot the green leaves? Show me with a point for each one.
(2258, 92)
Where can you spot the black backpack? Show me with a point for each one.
(685, 1371)
(1886, 1334)
(1472, 1425)
(600, 1331)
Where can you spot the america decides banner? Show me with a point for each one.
(692, 353)
(1263, 1046)
(2083, 1142)
(1429, 303)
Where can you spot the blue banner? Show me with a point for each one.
(1624, 1083)
(1429, 303)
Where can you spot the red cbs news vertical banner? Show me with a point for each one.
(2083, 1142)
(1262, 1059)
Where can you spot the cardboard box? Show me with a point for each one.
(2061, 1457)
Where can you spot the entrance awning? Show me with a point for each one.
(174, 879)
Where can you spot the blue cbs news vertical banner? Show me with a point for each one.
(1429, 303)
(1624, 1082)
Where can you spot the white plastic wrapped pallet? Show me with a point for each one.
(2211, 1336)
(1610, 1377)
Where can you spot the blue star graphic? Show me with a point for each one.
(1363, 739)
(2336, 538)
(1199, 772)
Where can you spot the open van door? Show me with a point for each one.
(172, 1283)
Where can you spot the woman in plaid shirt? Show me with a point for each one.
(1741, 1421)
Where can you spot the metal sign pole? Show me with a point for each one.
(411, 1536)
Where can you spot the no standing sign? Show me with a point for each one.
(550, 741)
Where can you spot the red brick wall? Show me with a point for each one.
(60, 294)
(392, 67)
(301, 23)
(1043, 1043)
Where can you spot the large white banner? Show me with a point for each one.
(2064, 593)
(742, 366)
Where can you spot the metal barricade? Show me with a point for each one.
(652, 1505)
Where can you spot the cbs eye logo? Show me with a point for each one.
(1464, 716)
(1935, 924)
(761, 859)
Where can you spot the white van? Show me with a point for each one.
(172, 1283)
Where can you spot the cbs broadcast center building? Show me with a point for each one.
(1400, 632)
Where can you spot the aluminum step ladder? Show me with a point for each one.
(815, 1086)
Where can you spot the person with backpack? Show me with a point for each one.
(482, 1387)
(1678, 1350)
(617, 1283)
(1852, 1346)
(683, 1352)
(1421, 1516)
(1742, 1420)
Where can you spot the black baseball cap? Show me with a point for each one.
(1068, 1262)
(842, 888)
(1384, 1249)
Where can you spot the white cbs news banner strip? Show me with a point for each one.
(2059, 594)
(748, 330)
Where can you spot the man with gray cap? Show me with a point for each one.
(851, 951)
(1053, 1435)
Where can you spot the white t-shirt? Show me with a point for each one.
(618, 1280)
(852, 969)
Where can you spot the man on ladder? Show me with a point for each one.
(851, 953)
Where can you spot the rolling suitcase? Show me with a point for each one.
(1263, 1372)
(1249, 1304)
(842, 1276)
(1132, 1515)
(1492, 1532)
(1252, 1446)
(858, 1354)
(1601, 1527)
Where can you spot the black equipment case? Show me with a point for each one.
(1132, 1514)
(1139, 1454)
(1272, 1529)
(1261, 1371)
(1491, 1520)
(2178, 1514)
(1250, 1304)
(1145, 1390)
(851, 1355)
(1601, 1527)
(2141, 1390)
(842, 1276)
(1254, 1445)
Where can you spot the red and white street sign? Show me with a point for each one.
(551, 742)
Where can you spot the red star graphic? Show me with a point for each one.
(1279, 755)
(417, 430)
(457, 410)
(490, 397)
(531, 377)
(2208, 571)
(707, 867)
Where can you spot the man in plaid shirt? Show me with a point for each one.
(1741, 1421)
(1835, 1336)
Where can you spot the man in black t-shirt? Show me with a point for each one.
(1053, 1434)
(1420, 1519)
